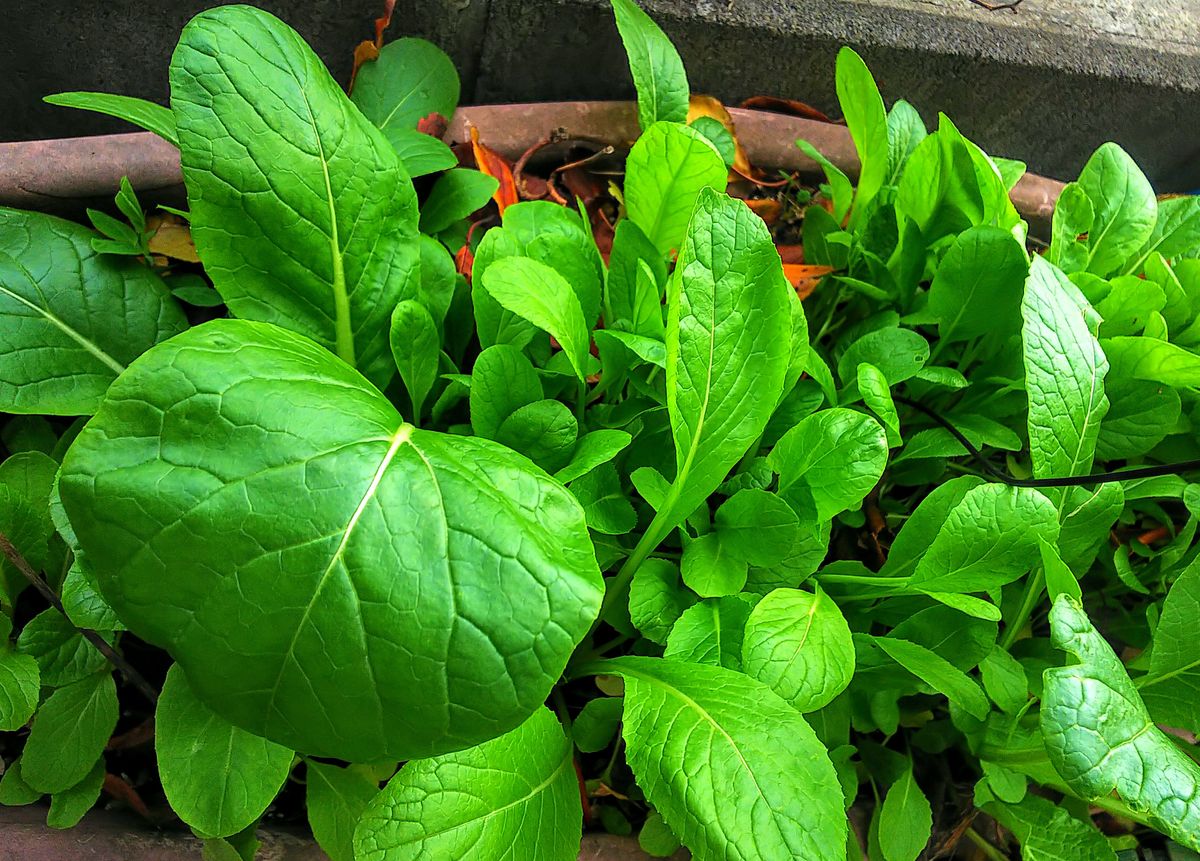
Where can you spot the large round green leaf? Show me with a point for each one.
(328, 576)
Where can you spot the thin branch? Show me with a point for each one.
(994, 7)
(116, 659)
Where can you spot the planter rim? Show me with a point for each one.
(52, 174)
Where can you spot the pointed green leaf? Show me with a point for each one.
(1124, 207)
(977, 288)
(69, 733)
(937, 672)
(148, 115)
(905, 820)
(658, 74)
(69, 806)
(335, 799)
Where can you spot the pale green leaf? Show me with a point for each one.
(658, 74)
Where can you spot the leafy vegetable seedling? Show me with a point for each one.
(486, 536)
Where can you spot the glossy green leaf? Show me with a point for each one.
(19, 689)
(1004, 680)
(14, 791)
(657, 599)
(841, 189)
(1171, 686)
(630, 249)
(596, 724)
(837, 455)
(335, 799)
(757, 526)
(1064, 374)
(898, 353)
(1073, 216)
(147, 115)
(416, 349)
(420, 153)
(905, 129)
(1176, 231)
(69, 733)
(799, 645)
(410, 79)
(70, 319)
(1047, 832)
(1100, 738)
(70, 805)
(726, 731)
(977, 288)
(605, 505)
(335, 657)
(544, 431)
(710, 569)
(1123, 205)
(658, 74)
(502, 381)
(666, 170)
(217, 777)
(594, 449)
(62, 654)
(877, 395)
(299, 207)
(512, 798)
(867, 120)
(937, 672)
(456, 194)
(1155, 361)
(905, 820)
(710, 633)
(537, 293)
(990, 538)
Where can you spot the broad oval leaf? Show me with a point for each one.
(410, 79)
(759, 782)
(513, 798)
(798, 644)
(1101, 739)
(71, 319)
(666, 170)
(288, 523)
(710, 633)
(218, 778)
(335, 799)
(69, 733)
(905, 820)
(977, 288)
(728, 309)
(1064, 374)
(300, 208)
(1124, 207)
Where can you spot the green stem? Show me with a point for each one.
(618, 587)
(1033, 594)
(581, 403)
(985, 847)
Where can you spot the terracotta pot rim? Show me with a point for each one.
(59, 173)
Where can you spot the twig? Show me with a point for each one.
(994, 7)
(131, 675)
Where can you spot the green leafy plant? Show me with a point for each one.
(642, 530)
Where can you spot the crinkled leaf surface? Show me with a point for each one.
(989, 539)
(798, 643)
(514, 798)
(382, 590)
(728, 310)
(657, 598)
(218, 778)
(1100, 737)
(300, 208)
(699, 736)
(71, 319)
(1064, 374)
(1047, 832)
(710, 633)
(667, 169)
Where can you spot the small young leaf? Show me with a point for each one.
(62, 654)
(867, 120)
(798, 643)
(1124, 206)
(456, 194)
(597, 723)
(335, 799)
(710, 633)
(218, 777)
(658, 74)
(666, 170)
(905, 820)
(515, 796)
(502, 381)
(148, 115)
(938, 673)
(69, 733)
(757, 527)
(709, 568)
(605, 506)
(410, 79)
(657, 599)
(537, 293)
(14, 791)
(1004, 680)
(69, 806)
(594, 449)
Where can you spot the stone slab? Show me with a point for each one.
(1048, 82)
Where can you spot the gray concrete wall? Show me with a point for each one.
(1047, 83)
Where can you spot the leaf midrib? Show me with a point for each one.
(89, 346)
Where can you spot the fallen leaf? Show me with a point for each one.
(433, 124)
(171, 237)
(791, 253)
(791, 107)
(707, 106)
(768, 209)
(494, 165)
(141, 734)
(119, 789)
(368, 51)
(805, 277)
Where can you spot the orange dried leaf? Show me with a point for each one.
(171, 237)
(707, 106)
(768, 210)
(368, 51)
(494, 165)
(805, 277)
(122, 791)
(785, 106)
